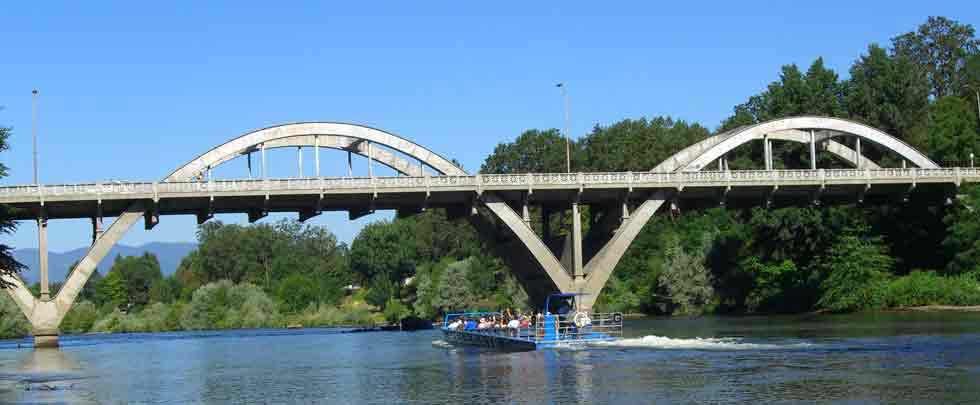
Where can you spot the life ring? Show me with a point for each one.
(581, 319)
(617, 317)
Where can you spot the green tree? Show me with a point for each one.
(384, 249)
(889, 93)
(112, 290)
(650, 142)
(534, 151)
(686, 279)
(856, 269)
(940, 47)
(297, 292)
(952, 131)
(962, 243)
(8, 265)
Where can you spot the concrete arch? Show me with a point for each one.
(697, 156)
(46, 316)
(333, 135)
(785, 126)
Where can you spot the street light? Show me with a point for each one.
(568, 148)
(34, 129)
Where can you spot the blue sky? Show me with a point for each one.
(132, 91)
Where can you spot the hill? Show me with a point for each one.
(168, 253)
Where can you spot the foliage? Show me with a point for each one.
(953, 135)
(856, 269)
(80, 317)
(962, 241)
(940, 47)
(890, 93)
(223, 305)
(534, 151)
(384, 251)
(686, 280)
(920, 288)
(12, 321)
(8, 265)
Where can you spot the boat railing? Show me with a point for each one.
(563, 327)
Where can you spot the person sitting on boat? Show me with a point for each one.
(470, 324)
(514, 325)
(456, 324)
(484, 324)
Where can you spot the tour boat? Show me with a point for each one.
(555, 327)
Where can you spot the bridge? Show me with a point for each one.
(498, 205)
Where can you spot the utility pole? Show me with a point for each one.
(568, 148)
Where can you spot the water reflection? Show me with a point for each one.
(317, 366)
(45, 376)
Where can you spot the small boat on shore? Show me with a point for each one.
(556, 326)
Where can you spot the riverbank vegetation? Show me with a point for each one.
(923, 250)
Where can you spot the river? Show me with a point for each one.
(861, 358)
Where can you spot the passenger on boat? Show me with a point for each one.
(484, 324)
(470, 325)
(456, 324)
(514, 325)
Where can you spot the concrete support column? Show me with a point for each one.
(767, 152)
(857, 152)
(545, 224)
(370, 159)
(42, 251)
(626, 209)
(97, 223)
(525, 211)
(350, 165)
(813, 151)
(96, 228)
(299, 161)
(577, 241)
(264, 172)
(316, 154)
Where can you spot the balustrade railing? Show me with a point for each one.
(494, 181)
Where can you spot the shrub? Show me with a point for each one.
(921, 288)
(80, 318)
(13, 323)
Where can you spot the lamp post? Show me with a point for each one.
(34, 129)
(568, 148)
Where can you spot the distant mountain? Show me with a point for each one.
(168, 253)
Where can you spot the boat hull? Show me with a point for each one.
(492, 341)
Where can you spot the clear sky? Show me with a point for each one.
(131, 91)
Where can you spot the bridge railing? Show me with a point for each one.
(532, 180)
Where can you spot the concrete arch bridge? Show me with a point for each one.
(497, 204)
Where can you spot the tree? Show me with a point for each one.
(534, 151)
(940, 47)
(384, 249)
(298, 291)
(856, 269)
(686, 279)
(962, 241)
(649, 142)
(8, 265)
(889, 93)
(140, 274)
(952, 131)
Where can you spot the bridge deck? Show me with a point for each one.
(403, 192)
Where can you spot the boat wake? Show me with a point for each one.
(719, 344)
(442, 344)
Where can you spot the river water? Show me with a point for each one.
(865, 358)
